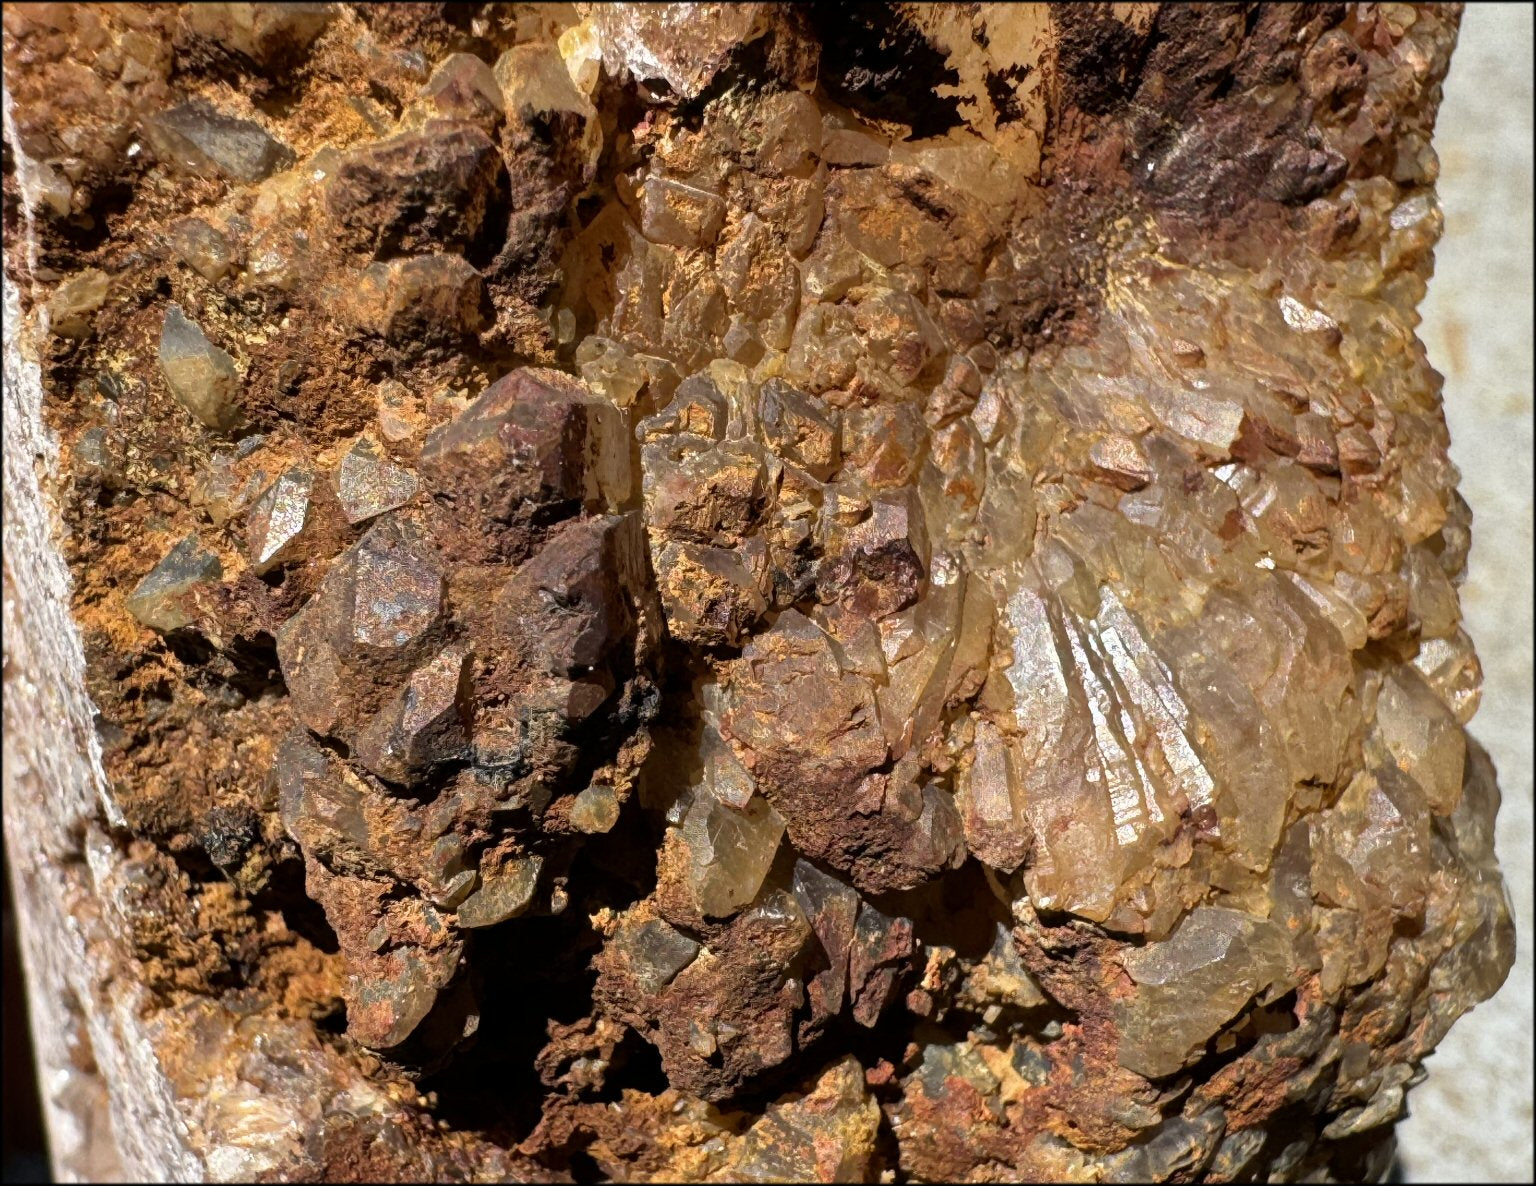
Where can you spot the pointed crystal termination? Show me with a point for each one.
(596, 809)
(202, 248)
(269, 34)
(506, 890)
(324, 810)
(393, 1002)
(200, 375)
(197, 138)
(935, 486)
(416, 192)
(425, 725)
(569, 602)
(397, 593)
(877, 959)
(156, 600)
(827, 1135)
(534, 438)
(832, 909)
(76, 300)
(729, 851)
(1194, 982)
(276, 521)
(464, 87)
(655, 952)
(375, 616)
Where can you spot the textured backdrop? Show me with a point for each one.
(1471, 1121)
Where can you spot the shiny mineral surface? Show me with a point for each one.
(725, 594)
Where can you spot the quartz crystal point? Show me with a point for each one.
(367, 485)
(1195, 981)
(196, 138)
(504, 893)
(200, 375)
(775, 594)
(729, 850)
(277, 519)
(155, 600)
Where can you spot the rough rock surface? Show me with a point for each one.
(734, 592)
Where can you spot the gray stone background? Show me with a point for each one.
(1471, 1120)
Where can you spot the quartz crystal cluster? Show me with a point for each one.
(745, 594)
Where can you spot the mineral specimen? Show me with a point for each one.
(269, 34)
(367, 485)
(277, 519)
(840, 595)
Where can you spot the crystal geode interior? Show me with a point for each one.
(744, 593)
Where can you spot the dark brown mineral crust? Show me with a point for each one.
(751, 593)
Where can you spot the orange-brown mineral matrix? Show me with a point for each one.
(750, 592)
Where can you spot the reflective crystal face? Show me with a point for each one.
(879, 589)
(367, 485)
(276, 520)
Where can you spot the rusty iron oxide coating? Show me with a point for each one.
(739, 593)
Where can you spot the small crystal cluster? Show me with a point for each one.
(920, 618)
(476, 681)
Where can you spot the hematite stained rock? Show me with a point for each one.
(926, 597)
(421, 298)
(534, 439)
(417, 192)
